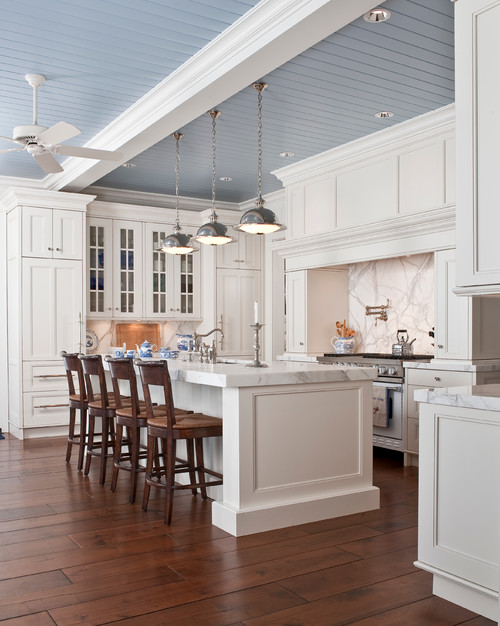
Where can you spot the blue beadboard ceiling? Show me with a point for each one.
(102, 56)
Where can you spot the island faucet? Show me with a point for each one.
(197, 342)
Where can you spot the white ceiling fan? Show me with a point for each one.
(42, 142)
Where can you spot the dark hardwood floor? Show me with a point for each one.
(72, 552)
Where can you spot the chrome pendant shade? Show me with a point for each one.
(259, 220)
(178, 242)
(213, 233)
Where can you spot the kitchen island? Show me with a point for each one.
(296, 443)
(459, 503)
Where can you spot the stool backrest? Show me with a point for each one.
(73, 365)
(123, 370)
(156, 374)
(95, 379)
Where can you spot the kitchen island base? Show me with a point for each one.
(292, 453)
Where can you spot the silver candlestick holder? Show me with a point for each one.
(256, 347)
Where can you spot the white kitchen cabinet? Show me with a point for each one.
(427, 378)
(237, 290)
(172, 282)
(245, 253)
(458, 504)
(45, 312)
(315, 300)
(52, 233)
(99, 267)
(477, 49)
(466, 326)
(52, 301)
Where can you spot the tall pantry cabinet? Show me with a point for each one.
(45, 305)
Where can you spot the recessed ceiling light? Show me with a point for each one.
(377, 15)
(286, 154)
(226, 179)
(128, 165)
(384, 114)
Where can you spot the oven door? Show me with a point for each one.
(390, 434)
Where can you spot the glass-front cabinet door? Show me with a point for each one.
(99, 267)
(172, 281)
(128, 269)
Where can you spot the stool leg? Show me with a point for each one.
(152, 453)
(104, 450)
(117, 455)
(201, 466)
(191, 463)
(71, 433)
(90, 444)
(134, 462)
(170, 478)
(83, 437)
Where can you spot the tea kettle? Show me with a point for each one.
(403, 347)
(146, 349)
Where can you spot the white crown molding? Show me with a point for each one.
(394, 138)
(264, 38)
(6, 182)
(47, 199)
(396, 228)
(142, 198)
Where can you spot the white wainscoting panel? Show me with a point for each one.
(422, 178)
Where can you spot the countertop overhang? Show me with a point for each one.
(276, 373)
(486, 397)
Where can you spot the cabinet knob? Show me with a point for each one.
(109, 308)
(301, 343)
(49, 248)
(437, 378)
(59, 249)
(440, 346)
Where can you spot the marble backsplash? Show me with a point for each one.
(105, 330)
(408, 284)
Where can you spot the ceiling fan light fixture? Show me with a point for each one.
(213, 233)
(177, 242)
(259, 220)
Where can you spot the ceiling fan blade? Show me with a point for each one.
(8, 139)
(62, 131)
(88, 153)
(12, 150)
(47, 162)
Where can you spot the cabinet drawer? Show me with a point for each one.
(438, 378)
(41, 376)
(412, 434)
(46, 409)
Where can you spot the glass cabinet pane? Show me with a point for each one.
(96, 261)
(159, 283)
(127, 274)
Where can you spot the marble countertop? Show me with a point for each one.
(486, 397)
(454, 366)
(277, 373)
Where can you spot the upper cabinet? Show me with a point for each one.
(245, 253)
(477, 49)
(129, 277)
(52, 233)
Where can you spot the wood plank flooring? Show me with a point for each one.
(72, 552)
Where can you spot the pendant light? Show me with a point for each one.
(259, 220)
(177, 242)
(213, 233)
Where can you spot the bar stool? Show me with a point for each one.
(163, 434)
(77, 402)
(102, 405)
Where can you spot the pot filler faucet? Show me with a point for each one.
(211, 352)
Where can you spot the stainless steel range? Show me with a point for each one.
(388, 392)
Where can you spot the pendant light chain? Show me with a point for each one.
(177, 137)
(214, 115)
(259, 143)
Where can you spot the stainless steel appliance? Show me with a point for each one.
(390, 376)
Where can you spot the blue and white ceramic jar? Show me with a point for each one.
(343, 345)
(184, 341)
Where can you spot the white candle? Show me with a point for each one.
(255, 313)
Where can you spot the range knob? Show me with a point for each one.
(391, 371)
(382, 370)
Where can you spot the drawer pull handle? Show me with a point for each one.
(49, 406)
(440, 346)
(49, 375)
(437, 378)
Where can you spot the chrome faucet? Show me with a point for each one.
(198, 346)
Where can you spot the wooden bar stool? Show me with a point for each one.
(163, 434)
(77, 402)
(103, 405)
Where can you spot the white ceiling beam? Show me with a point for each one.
(266, 37)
